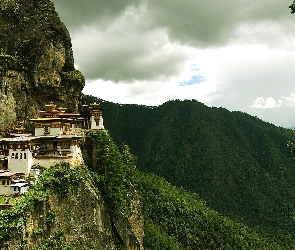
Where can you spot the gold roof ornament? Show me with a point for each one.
(62, 110)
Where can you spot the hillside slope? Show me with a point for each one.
(239, 164)
(176, 219)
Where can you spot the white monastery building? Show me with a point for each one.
(56, 140)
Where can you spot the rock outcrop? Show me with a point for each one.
(36, 61)
(66, 210)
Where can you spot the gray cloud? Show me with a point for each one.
(198, 23)
(120, 40)
(214, 23)
(118, 56)
(78, 13)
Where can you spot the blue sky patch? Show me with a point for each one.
(195, 79)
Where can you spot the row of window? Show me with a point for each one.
(65, 144)
(5, 146)
(47, 129)
(5, 182)
(14, 147)
(18, 155)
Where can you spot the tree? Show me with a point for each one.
(107, 162)
(292, 7)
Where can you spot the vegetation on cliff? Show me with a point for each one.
(64, 210)
(103, 157)
(14, 222)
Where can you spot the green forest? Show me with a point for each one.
(240, 165)
(176, 219)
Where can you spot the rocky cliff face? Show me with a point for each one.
(66, 211)
(36, 61)
(79, 219)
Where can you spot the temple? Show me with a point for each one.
(56, 139)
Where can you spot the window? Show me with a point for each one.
(46, 130)
(16, 155)
(20, 155)
(14, 188)
(8, 182)
(25, 155)
(3, 182)
(12, 155)
(65, 144)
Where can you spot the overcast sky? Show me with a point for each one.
(236, 54)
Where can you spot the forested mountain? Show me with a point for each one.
(176, 219)
(239, 164)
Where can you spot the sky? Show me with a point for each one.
(239, 55)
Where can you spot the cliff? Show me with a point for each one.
(65, 210)
(36, 61)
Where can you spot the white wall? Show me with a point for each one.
(20, 165)
(7, 189)
(55, 131)
(49, 162)
(75, 150)
(93, 123)
(52, 131)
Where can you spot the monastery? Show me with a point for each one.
(56, 139)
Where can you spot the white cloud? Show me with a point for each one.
(270, 102)
(152, 93)
(265, 103)
(289, 101)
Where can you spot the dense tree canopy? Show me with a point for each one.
(176, 219)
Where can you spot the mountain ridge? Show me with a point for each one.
(240, 165)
